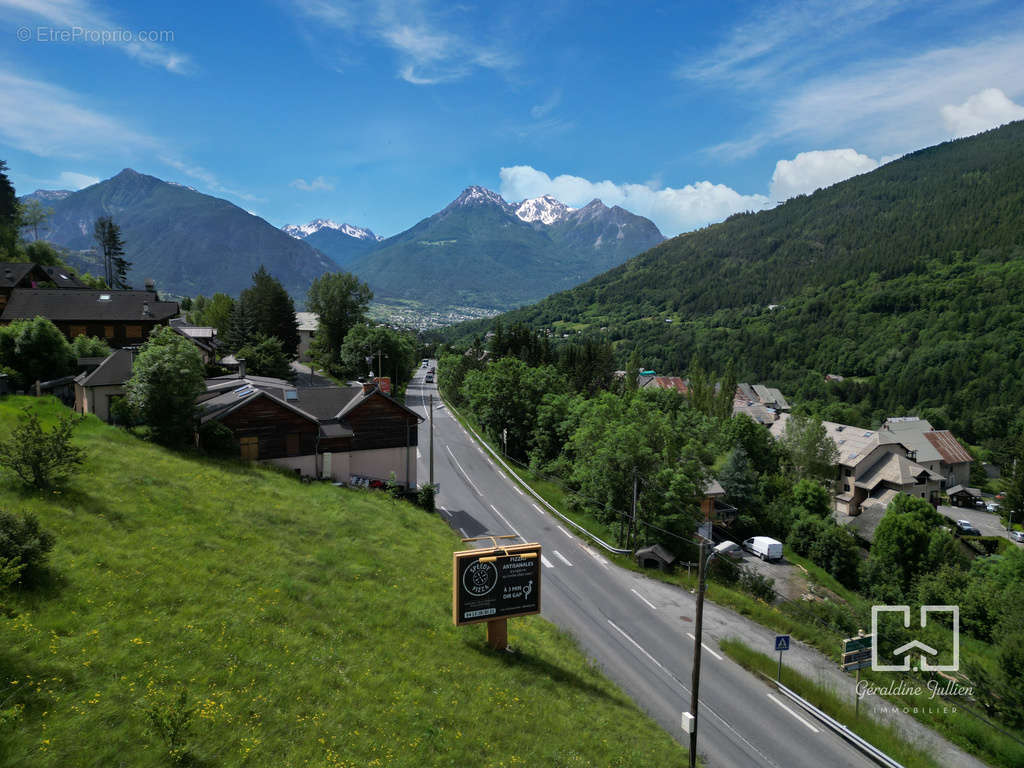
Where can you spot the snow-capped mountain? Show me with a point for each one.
(475, 195)
(302, 231)
(545, 209)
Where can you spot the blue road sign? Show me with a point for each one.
(782, 642)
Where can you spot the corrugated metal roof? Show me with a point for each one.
(948, 447)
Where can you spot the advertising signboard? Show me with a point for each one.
(495, 583)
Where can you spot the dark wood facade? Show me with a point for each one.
(380, 422)
(280, 431)
(117, 333)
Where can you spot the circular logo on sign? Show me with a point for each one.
(479, 578)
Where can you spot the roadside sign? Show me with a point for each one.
(495, 583)
(857, 652)
(782, 642)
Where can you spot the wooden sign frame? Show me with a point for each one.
(508, 583)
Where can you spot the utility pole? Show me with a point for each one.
(632, 530)
(695, 678)
(431, 438)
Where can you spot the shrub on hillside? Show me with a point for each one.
(217, 440)
(39, 458)
(24, 546)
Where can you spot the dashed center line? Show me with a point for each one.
(794, 714)
(704, 646)
(546, 562)
(563, 530)
(539, 510)
(562, 557)
(649, 603)
(519, 490)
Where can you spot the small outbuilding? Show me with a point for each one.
(655, 556)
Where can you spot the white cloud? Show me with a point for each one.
(673, 210)
(895, 105)
(208, 178)
(984, 110)
(809, 171)
(73, 180)
(45, 120)
(95, 28)
(541, 110)
(319, 184)
(428, 53)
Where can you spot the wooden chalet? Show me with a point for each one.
(28, 275)
(121, 318)
(345, 434)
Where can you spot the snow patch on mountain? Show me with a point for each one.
(545, 209)
(476, 195)
(302, 231)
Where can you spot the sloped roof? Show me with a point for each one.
(895, 469)
(855, 443)
(948, 447)
(86, 304)
(667, 382)
(115, 370)
(12, 272)
(362, 397)
(308, 321)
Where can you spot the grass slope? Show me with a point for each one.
(309, 626)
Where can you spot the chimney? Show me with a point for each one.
(241, 367)
(369, 386)
(150, 285)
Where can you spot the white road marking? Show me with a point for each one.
(463, 471)
(794, 714)
(539, 510)
(640, 648)
(561, 557)
(519, 490)
(463, 532)
(506, 522)
(563, 530)
(704, 646)
(649, 603)
(546, 562)
(603, 563)
(419, 456)
(736, 734)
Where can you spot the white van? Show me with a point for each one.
(764, 547)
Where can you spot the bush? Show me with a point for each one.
(41, 459)
(757, 585)
(24, 545)
(89, 346)
(217, 440)
(425, 497)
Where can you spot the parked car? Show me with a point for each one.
(967, 528)
(729, 549)
(764, 547)
(1017, 536)
(992, 507)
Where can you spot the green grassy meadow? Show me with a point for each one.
(307, 626)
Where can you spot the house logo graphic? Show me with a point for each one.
(924, 651)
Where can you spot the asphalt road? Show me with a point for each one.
(635, 629)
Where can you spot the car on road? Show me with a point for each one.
(992, 507)
(1017, 536)
(967, 528)
(429, 378)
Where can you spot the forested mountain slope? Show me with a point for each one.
(908, 281)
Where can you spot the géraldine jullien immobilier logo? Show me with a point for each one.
(925, 651)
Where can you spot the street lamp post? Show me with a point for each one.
(702, 567)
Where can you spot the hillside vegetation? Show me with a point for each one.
(307, 625)
(906, 280)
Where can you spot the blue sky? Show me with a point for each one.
(379, 113)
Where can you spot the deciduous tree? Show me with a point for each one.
(340, 300)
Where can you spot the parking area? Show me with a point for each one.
(986, 522)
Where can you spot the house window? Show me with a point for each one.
(77, 330)
(250, 447)
(108, 331)
(133, 331)
(293, 444)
